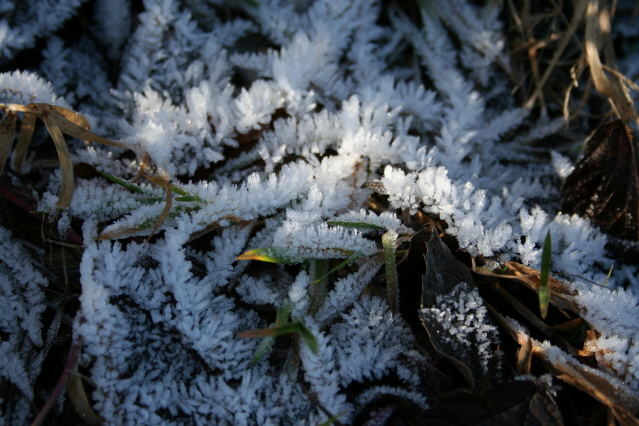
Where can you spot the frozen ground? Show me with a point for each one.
(273, 118)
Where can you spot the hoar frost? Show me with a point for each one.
(275, 146)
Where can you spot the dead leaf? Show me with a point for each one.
(601, 385)
(66, 166)
(562, 295)
(597, 36)
(24, 139)
(510, 403)
(443, 271)
(7, 133)
(444, 274)
(80, 400)
(524, 358)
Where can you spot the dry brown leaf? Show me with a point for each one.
(591, 337)
(568, 325)
(577, 17)
(166, 211)
(76, 131)
(72, 116)
(597, 36)
(604, 387)
(24, 139)
(80, 401)
(524, 357)
(119, 233)
(561, 294)
(7, 133)
(66, 166)
(58, 121)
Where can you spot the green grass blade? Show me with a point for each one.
(544, 290)
(126, 184)
(187, 198)
(262, 349)
(332, 420)
(268, 254)
(296, 327)
(360, 225)
(350, 259)
(283, 314)
(318, 291)
(307, 337)
(281, 318)
(183, 195)
(607, 280)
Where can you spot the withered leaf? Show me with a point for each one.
(443, 271)
(7, 130)
(511, 403)
(604, 187)
(444, 279)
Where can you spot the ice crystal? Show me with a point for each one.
(22, 346)
(280, 121)
(461, 322)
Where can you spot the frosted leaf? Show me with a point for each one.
(256, 106)
(275, 115)
(21, 346)
(23, 87)
(321, 374)
(371, 339)
(298, 294)
(23, 23)
(460, 321)
(380, 391)
(257, 291)
(346, 290)
(113, 19)
(384, 220)
(561, 164)
(319, 241)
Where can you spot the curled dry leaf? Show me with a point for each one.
(562, 295)
(58, 121)
(80, 400)
(597, 37)
(443, 271)
(604, 186)
(449, 300)
(521, 402)
(7, 133)
(604, 387)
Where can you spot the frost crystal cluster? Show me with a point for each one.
(460, 321)
(23, 344)
(274, 120)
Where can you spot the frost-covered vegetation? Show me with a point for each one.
(302, 133)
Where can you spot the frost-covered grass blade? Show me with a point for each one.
(353, 257)
(359, 225)
(389, 242)
(281, 327)
(126, 184)
(281, 319)
(544, 289)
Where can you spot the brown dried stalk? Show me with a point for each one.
(58, 121)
